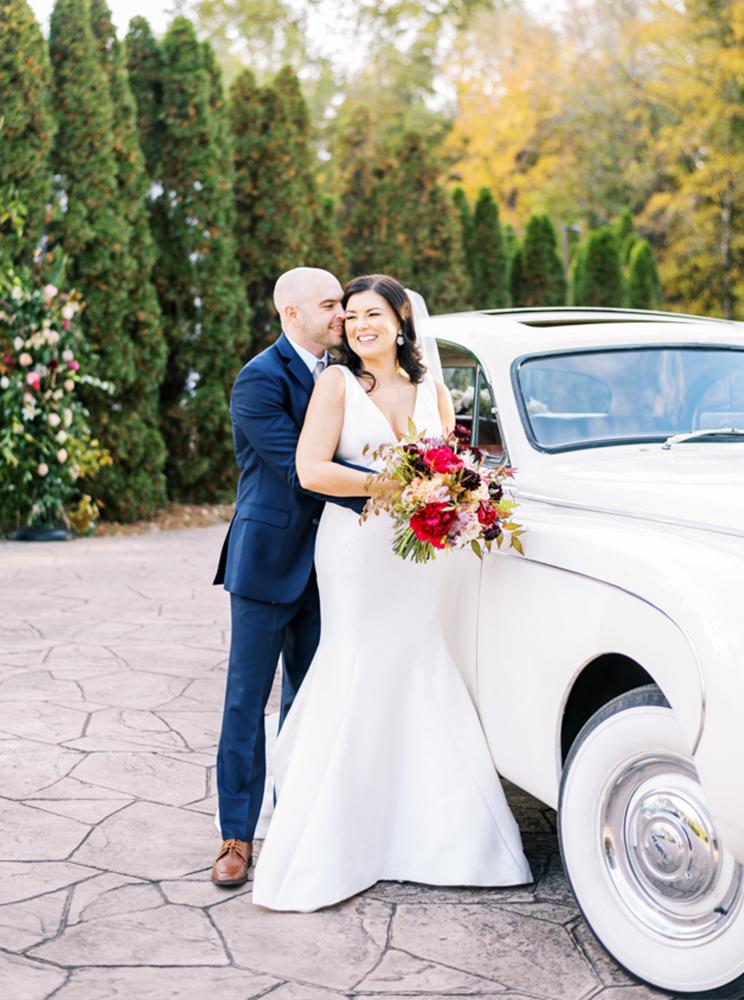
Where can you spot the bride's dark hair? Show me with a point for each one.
(409, 352)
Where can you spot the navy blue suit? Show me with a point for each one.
(267, 566)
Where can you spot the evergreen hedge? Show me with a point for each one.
(544, 283)
(487, 260)
(644, 286)
(597, 276)
(27, 128)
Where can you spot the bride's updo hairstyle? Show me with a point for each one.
(409, 352)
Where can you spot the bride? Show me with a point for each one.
(382, 769)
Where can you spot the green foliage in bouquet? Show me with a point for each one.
(49, 456)
(26, 128)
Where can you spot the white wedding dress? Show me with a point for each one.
(382, 769)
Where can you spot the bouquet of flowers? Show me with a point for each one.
(443, 496)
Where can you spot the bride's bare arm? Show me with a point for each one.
(446, 409)
(319, 439)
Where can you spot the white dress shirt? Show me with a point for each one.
(308, 357)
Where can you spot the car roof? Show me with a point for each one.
(516, 332)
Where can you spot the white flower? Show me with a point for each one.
(61, 455)
(18, 343)
(61, 437)
(52, 337)
(50, 291)
(25, 360)
(54, 419)
(36, 509)
(43, 469)
(67, 355)
(58, 393)
(4, 382)
(16, 292)
(28, 399)
(69, 385)
(69, 310)
(67, 418)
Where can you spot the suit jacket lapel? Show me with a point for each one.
(295, 363)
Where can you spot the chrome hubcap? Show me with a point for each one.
(661, 850)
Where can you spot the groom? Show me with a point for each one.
(267, 559)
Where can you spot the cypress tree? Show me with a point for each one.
(644, 286)
(205, 313)
(272, 191)
(27, 129)
(145, 66)
(625, 234)
(135, 484)
(462, 207)
(598, 279)
(426, 247)
(545, 283)
(517, 283)
(487, 258)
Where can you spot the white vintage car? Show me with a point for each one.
(607, 664)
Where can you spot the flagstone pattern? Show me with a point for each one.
(113, 655)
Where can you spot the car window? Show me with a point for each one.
(472, 398)
(580, 399)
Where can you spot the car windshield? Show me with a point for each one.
(581, 399)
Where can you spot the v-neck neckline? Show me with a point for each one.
(396, 439)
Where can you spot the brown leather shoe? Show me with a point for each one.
(233, 862)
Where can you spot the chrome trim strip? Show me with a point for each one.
(645, 600)
(659, 518)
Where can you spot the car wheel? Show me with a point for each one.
(651, 876)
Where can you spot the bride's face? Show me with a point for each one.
(371, 325)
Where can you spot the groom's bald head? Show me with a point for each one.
(308, 300)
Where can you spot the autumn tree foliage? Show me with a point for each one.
(99, 224)
(202, 299)
(598, 276)
(27, 127)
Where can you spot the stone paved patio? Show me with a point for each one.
(112, 667)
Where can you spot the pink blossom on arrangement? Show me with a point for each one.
(66, 325)
(487, 514)
(62, 455)
(33, 379)
(50, 291)
(25, 359)
(43, 469)
(73, 365)
(442, 459)
(69, 385)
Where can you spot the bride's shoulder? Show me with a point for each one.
(331, 385)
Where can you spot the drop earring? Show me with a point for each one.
(400, 339)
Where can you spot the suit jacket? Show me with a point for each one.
(268, 552)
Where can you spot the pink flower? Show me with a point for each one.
(50, 291)
(66, 325)
(73, 365)
(43, 469)
(33, 380)
(442, 460)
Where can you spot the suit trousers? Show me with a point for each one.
(260, 632)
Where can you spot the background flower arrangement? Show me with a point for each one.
(46, 447)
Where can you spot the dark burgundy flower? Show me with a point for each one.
(442, 460)
(462, 433)
(432, 522)
(492, 532)
(470, 480)
(495, 492)
(53, 363)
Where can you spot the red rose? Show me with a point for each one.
(33, 380)
(442, 460)
(487, 515)
(431, 523)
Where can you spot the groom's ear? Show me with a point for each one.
(290, 316)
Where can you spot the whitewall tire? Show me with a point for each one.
(654, 881)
